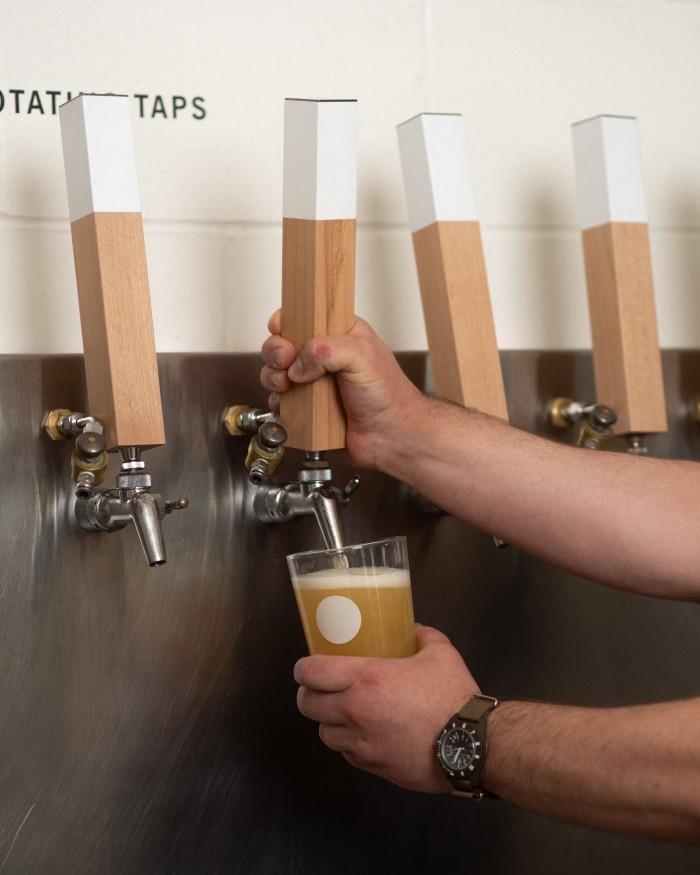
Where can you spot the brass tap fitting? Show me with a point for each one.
(88, 462)
(265, 451)
(597, 427)
(232, 421)
(51, 424)
(596, 421)
(558, 412)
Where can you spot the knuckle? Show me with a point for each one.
(357, 713)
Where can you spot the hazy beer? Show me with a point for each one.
(356, 601)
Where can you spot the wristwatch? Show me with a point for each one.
(462, 748)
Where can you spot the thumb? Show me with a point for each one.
(330, 355)
(315, 360)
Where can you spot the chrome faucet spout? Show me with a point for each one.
(146, 514)
(324, 503)
(109, 510)
(311, 493)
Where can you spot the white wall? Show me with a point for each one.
(520, 71)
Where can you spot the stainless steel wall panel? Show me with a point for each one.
(148, 720)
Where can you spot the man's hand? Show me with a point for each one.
(376, 394)
(384, 715)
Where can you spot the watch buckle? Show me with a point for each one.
(474, 795)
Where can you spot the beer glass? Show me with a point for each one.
(356, 601)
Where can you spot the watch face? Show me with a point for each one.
(458, 749)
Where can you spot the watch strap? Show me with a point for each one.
(477, 707)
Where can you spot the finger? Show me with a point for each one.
(348, 352)
(337, 738)
(274, 323)
(321, 707)
(274, 380)
(273, 402)
(326, 355)
(315, 360)
(277, 352)
(329, 674)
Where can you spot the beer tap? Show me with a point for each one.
(452, 277)
(451, 267)
(117, 327)
(318, 299)
(311, 494)
(131, 501)
(617, 258)
(109, 510)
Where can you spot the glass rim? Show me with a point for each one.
(334, 551)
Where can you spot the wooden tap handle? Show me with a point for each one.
(110, 266)
(450, 261)
(318, 255)
(626, 355)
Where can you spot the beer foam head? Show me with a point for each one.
(352, 578)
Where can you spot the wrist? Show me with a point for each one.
(511, 725)
(411, 423)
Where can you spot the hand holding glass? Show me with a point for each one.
(356, 601)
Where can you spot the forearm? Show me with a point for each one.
(634, 770)
(619, 519)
